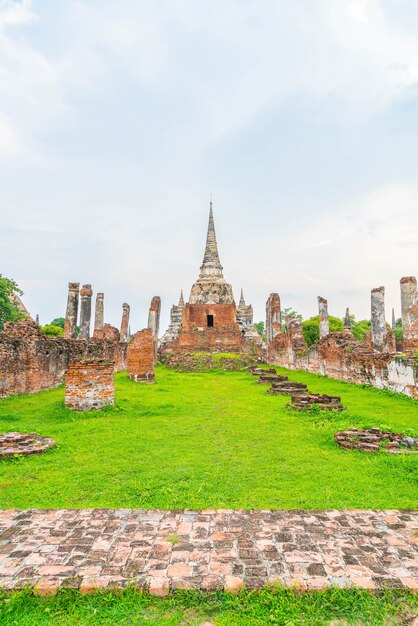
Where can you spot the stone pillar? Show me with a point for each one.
(99, 312)
(154, 321)
(273, 317)
(379, 332)
(393, 319)
(85, 311)
(408, 299)
(37, 319)
(323, 317)
(141, 357)
(70, 325)
(124, 326)
(347, 320)
(89, 384)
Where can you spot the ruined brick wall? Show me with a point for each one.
(30, 361)
(141, 357)
(89, 384)
(340, 356)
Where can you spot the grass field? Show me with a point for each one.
(333, 606)
(200, 440)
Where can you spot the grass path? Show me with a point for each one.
(207, 440)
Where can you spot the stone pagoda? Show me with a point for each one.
(210, 320)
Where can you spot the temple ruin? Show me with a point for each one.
(210, 321)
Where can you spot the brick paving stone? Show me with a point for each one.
(217, 549)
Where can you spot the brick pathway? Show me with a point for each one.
(207, 549)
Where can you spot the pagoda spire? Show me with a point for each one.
(241, 300)
(181, 301)
(211, 263)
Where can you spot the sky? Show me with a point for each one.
(119, 119)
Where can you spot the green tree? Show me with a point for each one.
(9, 310)
(58, 321)
(52, 331)
(289, 312)
(259, 326)
(360, 329)
(398, 330)
(311, 328)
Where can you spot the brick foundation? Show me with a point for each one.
(89, 384)
(141, 357)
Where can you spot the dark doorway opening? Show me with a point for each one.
(210, 321)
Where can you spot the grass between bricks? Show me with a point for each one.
(340, 607)
(208, 440)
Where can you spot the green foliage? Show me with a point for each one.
(207, 440)
(9, 311)
(274, 605)
(58, 321)
(259, 326)
(398, 330)
(311, 328)
(52, 330)
(360, 329)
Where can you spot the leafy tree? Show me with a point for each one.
(9, 310)
(289, 312)
(398, 330)
(311, 328)
(52, 331)
(58, 321)
(259, 326)
(360, 329)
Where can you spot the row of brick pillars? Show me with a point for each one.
(381, 337)
(71, 316)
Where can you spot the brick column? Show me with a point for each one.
(323, 317)
(347, 320)
(99, 312)
(71, 313)
(89, 384)
(124, 327)
(379, 332)
(141, 357)
(85, 311)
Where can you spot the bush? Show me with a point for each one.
(52, 331)
(58, 321)
(360, 329)
(310, 328)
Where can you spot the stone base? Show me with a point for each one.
(374, 439)
(305, 402)
(19, 443)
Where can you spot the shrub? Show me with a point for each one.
(360, 329)
(58, 321)
(52, 331)
(310, 328)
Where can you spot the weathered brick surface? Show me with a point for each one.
(89, 384)
(30, 361)
(340, 356)
(141, 357)
(225, 549)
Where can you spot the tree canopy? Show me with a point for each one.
(9, 310)
(311, 328)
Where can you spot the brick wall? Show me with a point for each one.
(141, 357)
(89, 384)
(339, 355)
(30, 361)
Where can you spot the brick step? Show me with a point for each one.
(286, 391)
(271, 378)
(303, 402)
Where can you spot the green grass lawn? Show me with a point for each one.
(208, 440)
(285, 606)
